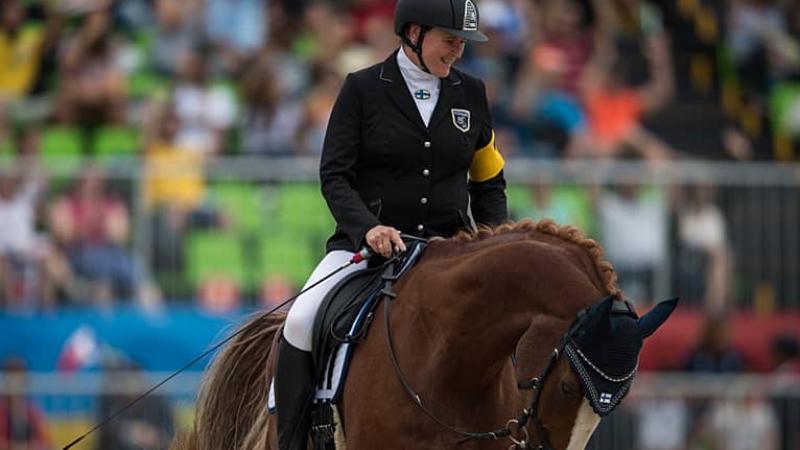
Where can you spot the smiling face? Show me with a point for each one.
(440, 49)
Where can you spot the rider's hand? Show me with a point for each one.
(384, 239)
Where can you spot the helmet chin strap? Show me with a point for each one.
(417, 48)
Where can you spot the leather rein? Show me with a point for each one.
(515, 428)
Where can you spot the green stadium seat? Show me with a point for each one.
(145, 84)
(214, 253)
(7, 153)
(300, 206)
(61, 149)
(518, 197)
(784, 106)
(288, 253)
(116, 141)
(570, 197)
(61, 140)
(243, 203)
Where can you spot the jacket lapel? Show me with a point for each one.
(397, 90)
(449, 93)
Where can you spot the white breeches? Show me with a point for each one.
(300, 321)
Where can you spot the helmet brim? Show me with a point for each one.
(475, 35)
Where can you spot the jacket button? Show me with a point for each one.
(423, 200)
(426, 172)
(427, 144)
(420, 227)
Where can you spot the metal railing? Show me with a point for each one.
(758, 201)
(663, 411)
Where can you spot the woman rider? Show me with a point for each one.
(409, 147)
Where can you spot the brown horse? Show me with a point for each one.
(473, 328)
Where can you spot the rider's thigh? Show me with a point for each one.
(299, 323)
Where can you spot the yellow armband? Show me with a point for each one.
(486, 162)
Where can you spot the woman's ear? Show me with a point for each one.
(412, 32)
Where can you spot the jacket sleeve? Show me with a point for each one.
(487, 185)
(339, 163)
(488, 200)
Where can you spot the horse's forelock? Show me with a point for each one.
(549, 227)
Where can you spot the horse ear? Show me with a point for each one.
(599, 315)
(650, 322)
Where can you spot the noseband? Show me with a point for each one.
(515, 428)
(535, 384)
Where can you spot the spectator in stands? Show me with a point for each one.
(373, 35)
(785, 353)
(364, 13)
(92, 89)
(21, 248)
(703, 262)
(546, 204)
(177, 32)
(37, 274)
(174, 171)
(275, 289)
(236, 29)
(638, 37)
(21, 49)
(545, 102)
(758, 39)
(632, 225)
(148, 424)
(763, 50)
(317, 108)
(629, 77)
(174, 188)
(741, 424)
(92, 227)
(662, 423)
(615, 109)
(713, 352)
(22, 423)
(325, 32)
(206, 111)
(270, 123)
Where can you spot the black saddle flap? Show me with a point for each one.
(338, 311)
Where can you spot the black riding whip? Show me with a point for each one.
(362, 255)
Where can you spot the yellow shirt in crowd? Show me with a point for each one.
(20, 58)
(174, 176)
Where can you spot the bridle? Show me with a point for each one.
(515, 428)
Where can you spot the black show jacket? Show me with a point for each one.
(382, 165)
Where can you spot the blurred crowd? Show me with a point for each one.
(170, 86)
(175, 85)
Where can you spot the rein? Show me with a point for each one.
(515, 428)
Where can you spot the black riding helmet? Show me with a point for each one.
(457, 17)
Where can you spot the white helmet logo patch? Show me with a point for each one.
(470, 16)
(461, 119)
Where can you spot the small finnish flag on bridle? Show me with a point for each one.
(605, 398)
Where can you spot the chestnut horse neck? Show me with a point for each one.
(483, 292)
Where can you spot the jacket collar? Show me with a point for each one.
(397, 89)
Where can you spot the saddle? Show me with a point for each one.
(342, 320)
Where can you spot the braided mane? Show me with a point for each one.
(548, 227)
